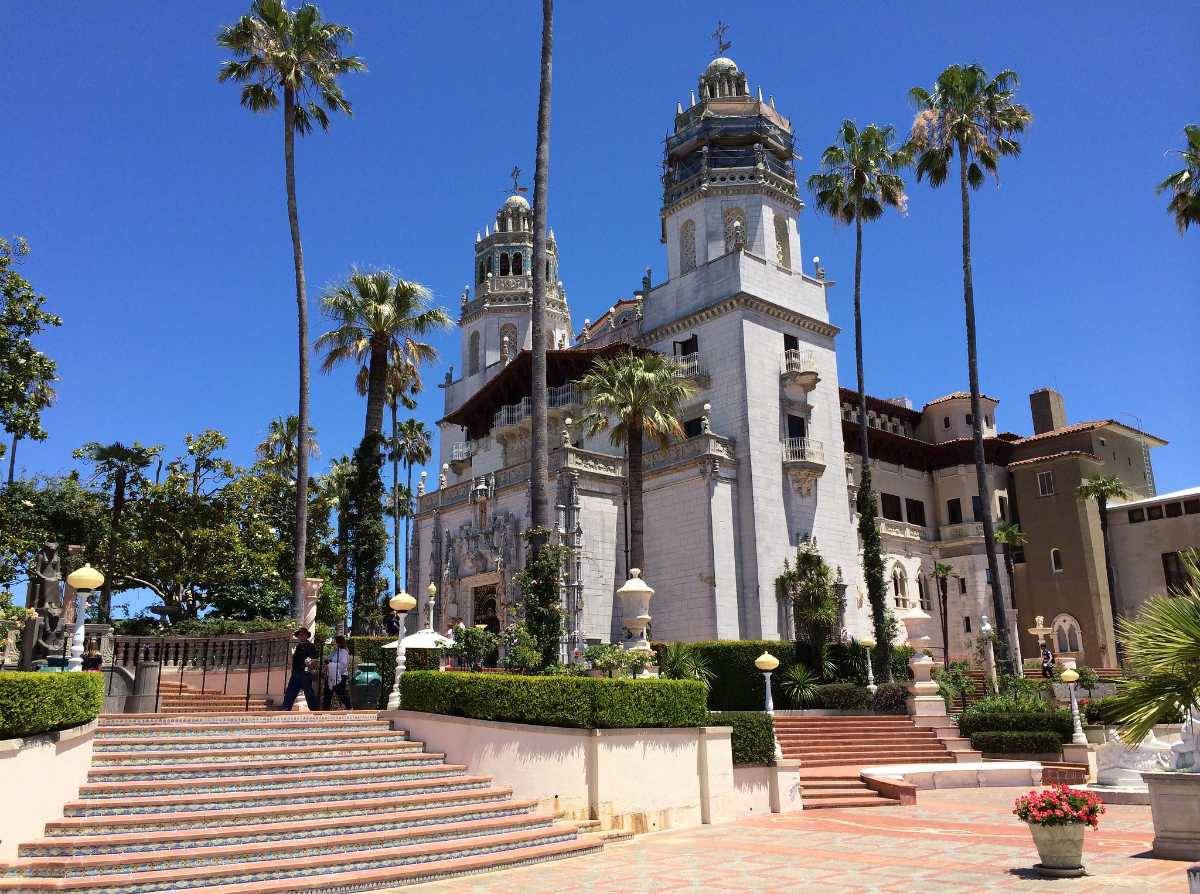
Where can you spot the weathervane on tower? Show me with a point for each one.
(517, 188)
(719, 36)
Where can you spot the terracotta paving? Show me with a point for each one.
(953, 840)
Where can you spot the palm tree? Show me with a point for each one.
(857, 182)
(1103, 488)
(336, 488)
(1010, 536)
(635, 396)
(410, 445)
(1184, 185)
(119, 466)
(943, 573)
(976, 118)
(379, 319)
(299, 54)
(539, 463)
(277, 450)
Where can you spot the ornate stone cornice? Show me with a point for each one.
(710, 448)
(742, 301)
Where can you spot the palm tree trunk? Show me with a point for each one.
(407, 515)
(539, 467)
(300, 532)
(110, 558)
(1102, 504)
(633, 449)
(12, 459)
(942, 600)
(985, 489)
(376, 387)
(396, 587)
(858, 343)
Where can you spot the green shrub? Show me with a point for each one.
(1024, 687)
(34, 703)
(842, 697)
(753, 737)
(900, 658)
(1058, 722)
(1016, 742)
(890, 698)
(582, 702)
(521, 652)
(737, 685)
(1101, 710)
(847, 662)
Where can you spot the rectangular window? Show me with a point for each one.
(966, 623)
(953, 511)
(977, 509)
(1174, 510)
(688, 346)
(693, 428)
(797, 427)
(1137, 515)
(1173, 574)
(945, 422)
(1154, 513)
(889, 507)
(1003, 507)
(1191, 507)
(962, 585)
(790, 342)
(915, 509)
(1046, 484)
(970, 419)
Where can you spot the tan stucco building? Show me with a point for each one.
(1146, 537)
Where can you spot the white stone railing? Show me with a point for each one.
(566, 395)
(462, 451)
(961, 530)
(690, 366)
(901, 529)
(803, 450)
(797, 361)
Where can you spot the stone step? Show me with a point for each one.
(429, 766)
(146, 757)
(240, 800)
(858, 748)
(331, 872)
(285, 738)
(352, 846)
(241, 731)
(848, 783)
(410, 822)
(871, 800)
(238, 718)
(842, 761)
(202, 816)
(822, 793)
(349, 767)
(917, 736)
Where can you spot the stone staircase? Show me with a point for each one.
(278, 803)
(185, 699)
(833, 749)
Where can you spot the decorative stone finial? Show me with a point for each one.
(705, 425)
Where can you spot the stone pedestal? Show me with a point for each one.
(1175, 806)
(923, 699)
(1081, 754)
(308, 608)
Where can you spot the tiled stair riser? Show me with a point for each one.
(217, 770)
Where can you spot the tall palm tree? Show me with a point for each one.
(278, 449)
(120, 466)
(539, 463)
(1103, 488)
(379, 319)
(943, 573)
(857, 182)
(1184, 185)
(976, 118)
(635, 396)
(1010, 536)
(299, 55)
(410, 445)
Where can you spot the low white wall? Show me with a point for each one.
(637, 779)
(39, 775)
(767, 789)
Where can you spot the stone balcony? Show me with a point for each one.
(803, 461)
(691, 366)
(798, 371)
(961, 531)
(904, 530)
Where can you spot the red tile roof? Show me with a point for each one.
(1082, 454)
(959, 395)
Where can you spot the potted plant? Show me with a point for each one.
(1056, 819)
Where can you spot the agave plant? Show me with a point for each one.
(799, 684)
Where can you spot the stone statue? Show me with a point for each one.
(1120, 764)
(45, 595)
(1185, 754)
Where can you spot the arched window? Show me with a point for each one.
(482, 271)
(1056, 560)
(504, 264)
(687, 247)
(783, 248)
(1067, 636)
(473, 354)
(735, 228)
(517, 265)
(899, 587)
(502, 225)
(923, 594)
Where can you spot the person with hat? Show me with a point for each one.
(303, 659)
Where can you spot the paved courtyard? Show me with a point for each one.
(955, 840)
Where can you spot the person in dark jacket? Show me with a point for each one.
(1047, 662)
(303, 659)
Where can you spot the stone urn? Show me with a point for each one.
(1060, 848)
(634, 596)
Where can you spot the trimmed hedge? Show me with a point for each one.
(737, 685)
(1016, 742)
(753, 737)
(34, 703)
(580, 702)
(890, 699)
(1057, 722)
(842, 697)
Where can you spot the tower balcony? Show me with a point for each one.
(803, 461)
(565, 398)
(512, 417)
(691, 367)
(799, 371)
(961, 531)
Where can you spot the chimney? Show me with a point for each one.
(1048, 411)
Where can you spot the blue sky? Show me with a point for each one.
(154, 203)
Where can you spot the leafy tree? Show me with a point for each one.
(976, 118)
(48, 509)
(540, 581)
(335, 492)
(26, 373)
(1184, 185)
(473, 646)
(633, 397)
(299, 55)
(120, 468)
(808, 587)
(1103, 488)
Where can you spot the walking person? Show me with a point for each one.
(337, 670)
(303, 659)
(1047, 662)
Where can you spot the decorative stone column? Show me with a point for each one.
(924, 702)
(308, 607)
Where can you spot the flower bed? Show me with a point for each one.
(581, 702)
(35, 703)
(753, 739)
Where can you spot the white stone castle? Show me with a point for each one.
(763, 466)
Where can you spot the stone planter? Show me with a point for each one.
(1095, 733)
(1175, 807)
(1061, 849)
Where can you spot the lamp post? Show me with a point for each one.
(766, 662)
(431, 591)
(401, 604)
(84, 580)
(989, 652)
(1070, 676)
(869, 643)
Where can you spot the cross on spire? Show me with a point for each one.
(517, 188)
(719, 36)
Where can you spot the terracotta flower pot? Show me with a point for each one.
(1060, 847)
